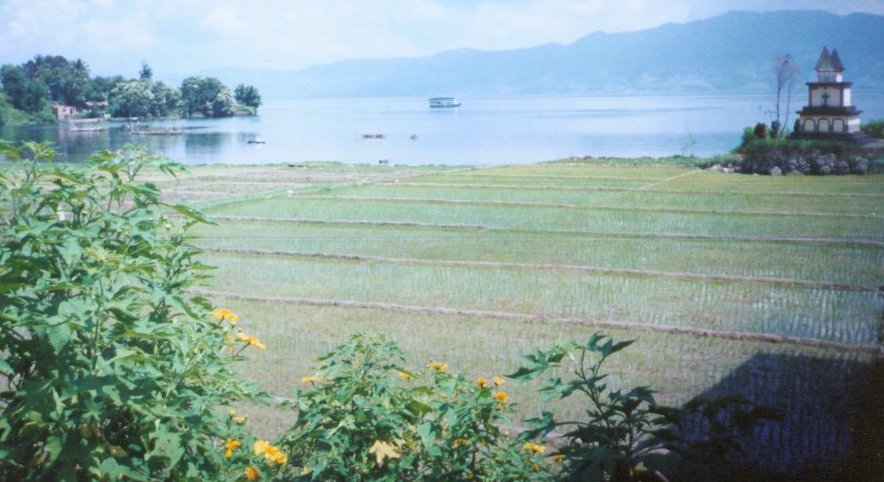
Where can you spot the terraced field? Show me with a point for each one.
(764, 286)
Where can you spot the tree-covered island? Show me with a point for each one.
(48, 88)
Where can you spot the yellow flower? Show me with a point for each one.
(231, 445)
(271, 453)
(309, 379)
(482, 382)
(498, 381)
(558, 457)
(461, 442)
(251, 340)
(501, 397)
(405, 376)
(228, 338)
(222, 314)
(252, 473)
(535, 448)
(232, 412)
(382, 450)
(240, 419)
(439, 367)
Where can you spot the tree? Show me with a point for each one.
(206, 96)
(101, 87)
(146, 73)
(166, 100)
(247, 95)
(66, 81)
(786, 75)
(132, 98)
(22, 92)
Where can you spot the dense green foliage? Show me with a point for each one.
(625, 434)
(760, 138)
(365, 416)
(9, 115)
(753, 145)
(143, 98)
(111, 368)
(247, 95)
(45, 80)
(206, 96)
(874, 128)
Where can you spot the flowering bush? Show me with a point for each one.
(110, 368)
(364, 416)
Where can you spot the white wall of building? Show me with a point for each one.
(817, 99)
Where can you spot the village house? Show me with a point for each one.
(64, 112)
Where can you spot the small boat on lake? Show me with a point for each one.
(377, 135)
(443, 103)
(256, 140)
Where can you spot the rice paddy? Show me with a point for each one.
(714, 275)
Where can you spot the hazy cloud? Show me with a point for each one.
(188, 35)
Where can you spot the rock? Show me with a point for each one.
(775, 171)
(715, 168)
(796, 172)
(859, 165)
(842, 167)
(727, 170)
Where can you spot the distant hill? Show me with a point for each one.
(728, 53)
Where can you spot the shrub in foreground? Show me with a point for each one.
(626, 435)
(110, 369)
(365, 416)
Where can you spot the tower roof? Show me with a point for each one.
(829, 62)
(836, 61)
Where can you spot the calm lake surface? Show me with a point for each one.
(481, 131)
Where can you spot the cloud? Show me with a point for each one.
(187, 35)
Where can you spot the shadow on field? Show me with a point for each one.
(832, 419)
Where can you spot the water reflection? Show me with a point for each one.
(206, 143)
(481, 131)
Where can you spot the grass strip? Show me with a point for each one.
(553, 267)
(627, 189)
(851, 242)
(355, 223)
(584, 207)
(876, 350)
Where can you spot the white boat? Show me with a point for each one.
(443, 102)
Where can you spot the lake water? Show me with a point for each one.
(481, 131)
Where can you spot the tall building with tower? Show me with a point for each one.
(829, 111)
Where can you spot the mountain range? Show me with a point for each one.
(730, 53)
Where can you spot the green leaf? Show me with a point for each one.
(4, 367)
(115, 470)
(190, 213)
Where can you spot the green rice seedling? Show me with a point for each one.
(823, 314)
(681, 366)
(558, 220)
(812, 262)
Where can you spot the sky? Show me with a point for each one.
(185, 36)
